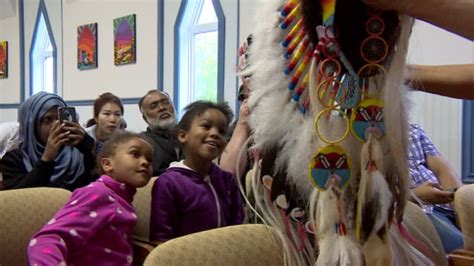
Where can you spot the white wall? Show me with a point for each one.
(248, 16)
(9, 31)
(171, 9)
(229, 8)
(126, 81)
(440, 116)
(8, 115)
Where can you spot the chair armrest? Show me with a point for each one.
(464, 252)
(461, 257)
(141, 249)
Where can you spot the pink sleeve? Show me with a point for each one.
(86, 213)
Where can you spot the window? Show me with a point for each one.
(42, 55)
(198, 53)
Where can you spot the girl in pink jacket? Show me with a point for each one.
(95, 226)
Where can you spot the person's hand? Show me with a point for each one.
(57, 137)
(432, 193)
(244, 113)
(76, 134)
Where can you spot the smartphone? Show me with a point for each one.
(67, 114)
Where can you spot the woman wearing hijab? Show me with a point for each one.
(52, 153)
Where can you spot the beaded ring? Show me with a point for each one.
(370, 49)
(321, 136)
(334, 99)
(330, 165)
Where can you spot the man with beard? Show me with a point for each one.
(158, 112)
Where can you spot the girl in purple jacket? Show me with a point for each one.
(195, 194)
(95, 226)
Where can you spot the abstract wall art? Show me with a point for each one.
(125, 41)
(3, 59)
(87, 46)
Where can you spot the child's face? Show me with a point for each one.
(206, 138)
(131, 163)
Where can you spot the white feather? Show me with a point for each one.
(326, 214)
(404, 254)
(395, 117)
(271, 119)
(299, 154)
(339, 250)
(373, 187)
(379, 186)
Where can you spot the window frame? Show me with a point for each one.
(467, 139)
(186, 29)
(42, 36)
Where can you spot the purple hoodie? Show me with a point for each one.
(184, 202)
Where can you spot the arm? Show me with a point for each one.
(443, 171)
(453, 15)
(455, 81)
(16, 176)
(86, 147)
(229, 157)
(432, 193)
(86, 213)
(236, 207)
(163, 216)
(15, 172)
(437, 164)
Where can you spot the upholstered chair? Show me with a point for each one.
(141, 232)
(464, 206)
(22, 213)
(247, 244)
(422, 229)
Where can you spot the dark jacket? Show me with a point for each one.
(15, 174)
(185, 202)
(165, 150)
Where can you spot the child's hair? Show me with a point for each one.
(198, 108)
(102, 100)
(109, 147)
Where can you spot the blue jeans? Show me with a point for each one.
(445, 223)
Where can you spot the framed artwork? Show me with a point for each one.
(3, 59)
(87, 46)
(125, 41)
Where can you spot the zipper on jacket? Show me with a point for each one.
(207, 179)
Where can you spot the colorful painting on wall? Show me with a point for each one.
(87, 46)
(125, 41)
(3, 59)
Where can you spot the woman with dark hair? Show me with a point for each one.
(52, 153)
(108, 112)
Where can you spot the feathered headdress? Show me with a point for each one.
(328, 118)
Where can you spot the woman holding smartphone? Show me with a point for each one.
(52, 153)
(108, 112)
